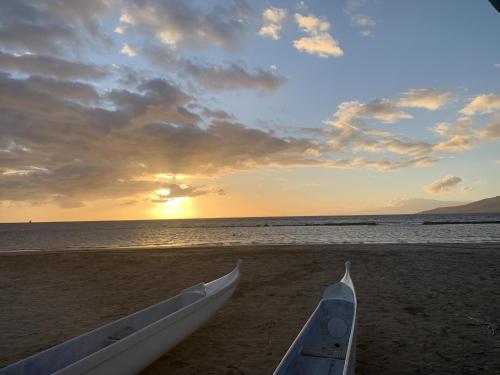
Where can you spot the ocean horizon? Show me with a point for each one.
(300, 230)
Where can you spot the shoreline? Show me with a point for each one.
(254, 247)
(438, 300)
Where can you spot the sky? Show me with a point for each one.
(149, 109)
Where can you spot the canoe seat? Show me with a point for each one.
(118, 335)
(324, 353)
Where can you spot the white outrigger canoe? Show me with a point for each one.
(327, 343)
(129, 344)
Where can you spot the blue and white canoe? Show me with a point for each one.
(327, 343)
(128, 345)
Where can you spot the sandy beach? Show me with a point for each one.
(423, 309)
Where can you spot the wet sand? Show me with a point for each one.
(423, 309)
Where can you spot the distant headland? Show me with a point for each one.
(483, 206)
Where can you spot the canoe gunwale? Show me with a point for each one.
(352, 339)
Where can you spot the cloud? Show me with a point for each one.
(154, 100)
(233, 77)
(383, 110)
(351, 131)
(272, 22)
(37, 38)
(58, 148)
(486, 103)
(227, 145)
(459, 135)
(359, 20)
(322, 45)
(163, 57)
(362, 20)
(352, 6)
(70, 90)
(408, 148)
(466, 189)
(461, 126)
(301, 5)
(173, 190)
(47, 26)
(455, 143)
(443, 184)
(51, 66)
(429, 99)
(492, 131)
(129, 51)
(217, 114)
(383, 165)
(319, 41)
(69, 153)
(217, 77)
(180, 24)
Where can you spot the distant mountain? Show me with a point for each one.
(401, 206)
(484, 206)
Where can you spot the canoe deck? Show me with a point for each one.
(326, 340)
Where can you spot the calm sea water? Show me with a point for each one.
(251, 231)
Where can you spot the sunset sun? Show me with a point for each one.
(174, 208)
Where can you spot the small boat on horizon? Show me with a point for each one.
(130, 344)
(327, 342)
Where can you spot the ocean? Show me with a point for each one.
(250, 231)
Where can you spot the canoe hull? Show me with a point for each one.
(327, 342)
(130, 344)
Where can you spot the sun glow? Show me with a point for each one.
(175, 208)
